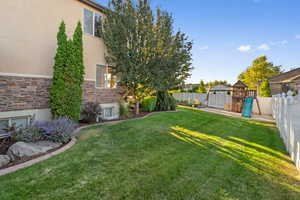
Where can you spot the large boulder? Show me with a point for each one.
(47, 145)
(21, 150)
(4, 160)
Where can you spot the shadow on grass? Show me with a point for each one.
(264, 162)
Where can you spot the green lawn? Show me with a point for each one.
(184, 155)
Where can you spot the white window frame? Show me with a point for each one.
(10, 119)
(93, 21)
(112, 112)
(106, 83)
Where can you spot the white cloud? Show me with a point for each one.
(244, 48)
(298, 36)
(203, 48)
(279, 43)
(264, 47)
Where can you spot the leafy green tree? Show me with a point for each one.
(170, 63)
(265, 89)
(144, 52)
(260, 70)
(201, 88)
(216, 82)
(68, 75)
(127, 34)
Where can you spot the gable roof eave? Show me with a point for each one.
(95, 5)
(285, 77)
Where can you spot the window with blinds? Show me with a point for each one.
(105, 77)
(101, 74)
(88, 22)
(92, 23)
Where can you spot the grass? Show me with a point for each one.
(184, 155)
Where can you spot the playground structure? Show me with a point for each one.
(239, 99)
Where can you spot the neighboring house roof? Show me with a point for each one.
(240, 84)
(94, 5)
(190, 85)
(286, 77)
(221, 87)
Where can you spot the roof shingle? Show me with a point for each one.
(286, 77)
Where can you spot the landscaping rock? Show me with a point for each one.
(4, 160)
(21, 150)
(47, 145)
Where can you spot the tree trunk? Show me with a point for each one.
(137, 108)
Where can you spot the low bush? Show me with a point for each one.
(59, 130)
(28, 134)
(165, 102)
(91, 112)
(197, 103)
(149, 104)
(124, 110)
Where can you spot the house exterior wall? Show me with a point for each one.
(22, 93)
(275, 88)
(28, 45)
(28, 36)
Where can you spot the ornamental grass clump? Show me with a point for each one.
(59, 130)
(29, 134)
(91, 112)
(149, 104)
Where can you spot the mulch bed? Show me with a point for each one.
(4, 145)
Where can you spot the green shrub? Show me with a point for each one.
(149, 104)
(265, 89)
(28, 134)
(90, 112)
(59, 130)
(165, 102)
(124, 110)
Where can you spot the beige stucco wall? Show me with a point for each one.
(28, 36)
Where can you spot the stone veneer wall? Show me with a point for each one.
(103, 96)
(23, 93)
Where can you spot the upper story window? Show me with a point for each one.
(105, 77)
(92, 23)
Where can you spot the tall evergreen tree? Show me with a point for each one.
(68, 76)
(77, 72)
(58, 102)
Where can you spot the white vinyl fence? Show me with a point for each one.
(265, 105)
(219, 99)
(286, 112)
(191, 97)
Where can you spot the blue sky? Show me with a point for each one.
(229, 34)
